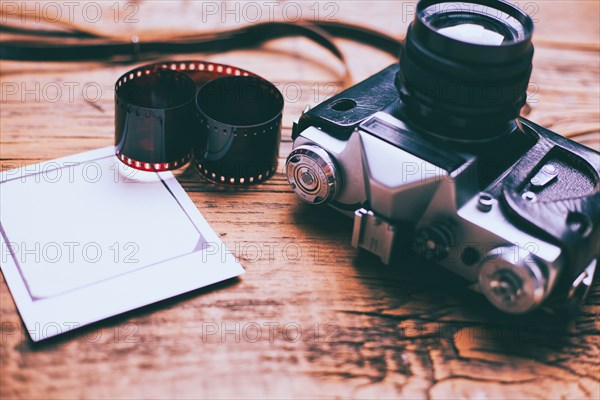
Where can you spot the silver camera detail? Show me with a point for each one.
(458, 229)
(430, 156)
(515, 270)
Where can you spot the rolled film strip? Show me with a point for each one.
(224, 119)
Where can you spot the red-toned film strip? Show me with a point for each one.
(169, 113)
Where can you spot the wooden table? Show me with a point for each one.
(331, 323)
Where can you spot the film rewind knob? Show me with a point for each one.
(312, 174)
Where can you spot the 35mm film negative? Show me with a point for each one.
(225, 120)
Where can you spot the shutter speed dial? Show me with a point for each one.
(312, 174)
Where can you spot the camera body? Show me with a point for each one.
(516, 214)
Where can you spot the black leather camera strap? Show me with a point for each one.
(227, 119)
(75, 44)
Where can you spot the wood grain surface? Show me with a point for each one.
(311, 318)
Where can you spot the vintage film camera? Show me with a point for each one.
(431, 155)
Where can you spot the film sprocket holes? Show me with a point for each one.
(231, 126)
(243, 118)
(431, 155)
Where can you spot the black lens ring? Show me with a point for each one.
(470, 52)
(459, 90)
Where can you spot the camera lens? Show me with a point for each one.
(465, 67)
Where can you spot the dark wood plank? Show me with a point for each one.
(332, 323)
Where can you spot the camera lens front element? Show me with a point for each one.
(472, 33)
(465, 68)
(484, 23)
(312, 174)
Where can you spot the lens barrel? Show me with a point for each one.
(459, 86)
